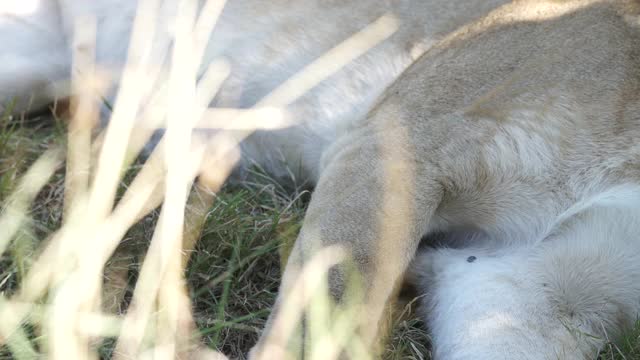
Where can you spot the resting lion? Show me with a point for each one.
(510, 128)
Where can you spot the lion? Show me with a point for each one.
(510, 127)
(507, 127)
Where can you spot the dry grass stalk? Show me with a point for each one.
(70, 269)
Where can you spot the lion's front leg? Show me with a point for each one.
(367, 214)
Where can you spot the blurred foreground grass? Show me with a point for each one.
(232, 275)
(233, 272)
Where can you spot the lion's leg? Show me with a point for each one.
(365, 206)
(560, 299)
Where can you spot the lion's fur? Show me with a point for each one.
(520, 125)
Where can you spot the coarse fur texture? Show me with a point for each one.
(264, 47)
(520, 126)
(561, 297)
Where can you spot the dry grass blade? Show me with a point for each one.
(158, 322)
(304, 291)
(162, 270)
(14, 212)
(11, 332)
(332, 61)
(137, 78)
(84, 114)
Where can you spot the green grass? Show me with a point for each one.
(626, 348)
(234, 271)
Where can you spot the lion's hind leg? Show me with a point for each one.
(562, 298)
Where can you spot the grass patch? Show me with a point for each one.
(232, 274)
(626, 348)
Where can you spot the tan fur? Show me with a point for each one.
(500, 128)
